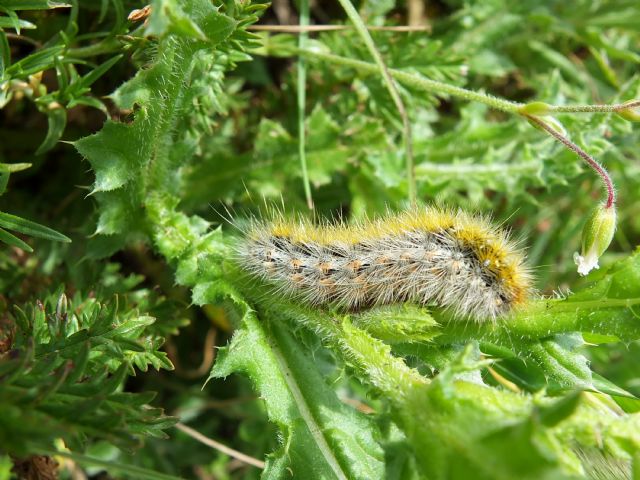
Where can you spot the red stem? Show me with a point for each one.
(599, 169)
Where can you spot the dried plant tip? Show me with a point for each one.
(61, 307)
(139, 14)
(596, 236)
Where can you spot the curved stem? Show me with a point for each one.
(589, 160)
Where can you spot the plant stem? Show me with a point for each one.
(440, 88)
(360, 27)
(108, 45)
(219, 446)
(590, 161)
(301, 87)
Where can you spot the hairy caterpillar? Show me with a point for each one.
(427, 255)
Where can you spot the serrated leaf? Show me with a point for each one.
(563, 366)
(113, 161)
(167, 16)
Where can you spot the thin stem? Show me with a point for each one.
(599, 169)
(353, 15)
(332, 28)
(593, 108)
(219, 446)
(301, 88)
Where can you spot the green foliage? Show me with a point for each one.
(322, 437)
(202, 113)
(64, 374)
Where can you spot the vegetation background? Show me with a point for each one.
(120, 140)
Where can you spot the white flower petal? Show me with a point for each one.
(587, 263)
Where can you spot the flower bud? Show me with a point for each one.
(596, 236)
(632, 112)
(536, 108)
(61, 307)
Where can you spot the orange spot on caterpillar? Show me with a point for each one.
(354, 266)
(324, 267)
(296, 265)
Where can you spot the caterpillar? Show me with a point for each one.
(428, 255)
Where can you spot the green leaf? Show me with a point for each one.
(551, 415)
(168, 16)
(71, 359)
(98, 72)
(5, 57)
(563, 366)
(322, 437)
(16, 24)
(14, 241)
(36, 4)
(57, 118)
(13, 167)
(114, 162)
(11, 222)
(34, 63)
